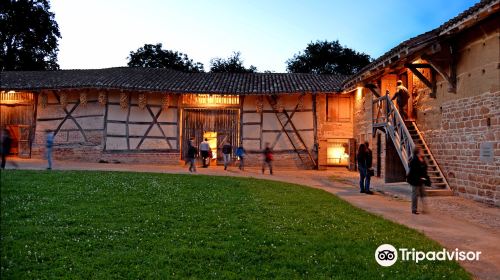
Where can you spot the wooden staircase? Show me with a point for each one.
(439, 184)
(406, 136)
(293, 135)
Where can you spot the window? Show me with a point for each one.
(337, 152)
(338, 108)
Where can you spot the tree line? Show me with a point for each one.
(29, 38)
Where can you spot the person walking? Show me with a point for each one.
(227, 149)
(369, 168)
(268, 159)
(204, 150)
(240, 153)
(5, 148)
(417, 177)
(401, 97)
(364, 178)
(49, 142)
(191, 156)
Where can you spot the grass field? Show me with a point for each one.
(101, 225)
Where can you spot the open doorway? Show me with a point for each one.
(217, 125)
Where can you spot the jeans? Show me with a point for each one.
(227, 160)
(242, 163)
(192, 164)
(268, 163)
(48, 155)
(416, 192)
(364, 179)
(204, 156)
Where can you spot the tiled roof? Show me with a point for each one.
(151, 79)
(416, 42)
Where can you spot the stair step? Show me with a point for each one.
(437, 192)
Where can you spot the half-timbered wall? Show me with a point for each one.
(135, 129)
(78, 128)
(105, 131)
(261, 126)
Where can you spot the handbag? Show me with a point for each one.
(371, 172)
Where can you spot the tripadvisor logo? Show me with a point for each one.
(387, 255)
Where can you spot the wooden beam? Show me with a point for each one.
(419, 65)
(451, 79)
(419, 75)
(315, 130)
(373, 88)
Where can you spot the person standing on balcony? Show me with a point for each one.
(417, 177)
(226, 151)
(205, 149)
(401, 97)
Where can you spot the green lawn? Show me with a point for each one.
(100, 225)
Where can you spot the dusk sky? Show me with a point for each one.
(100, 34)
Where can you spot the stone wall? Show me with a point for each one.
(466, 123)
(455, 124)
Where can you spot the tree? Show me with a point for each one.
(233, 64)
(28, 35)
(155, 57)
(323, 57)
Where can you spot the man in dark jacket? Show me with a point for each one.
(401, 97)
(6, 143)
(191, 156)
(417, 177)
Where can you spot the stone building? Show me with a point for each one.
(453, 77)
(311, 121)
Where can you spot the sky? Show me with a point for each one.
(101, 33)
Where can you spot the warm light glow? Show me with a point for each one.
(211, 137)
(359, 93)
(12, 97)
(337, 154)
(210, 99)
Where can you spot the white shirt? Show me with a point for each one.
(204, 146)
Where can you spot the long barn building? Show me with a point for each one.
(452, 74)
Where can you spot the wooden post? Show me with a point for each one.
(315, 129)
(242, 101)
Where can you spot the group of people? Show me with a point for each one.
(417, 176)
(227, 152)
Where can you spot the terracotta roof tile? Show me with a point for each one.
(150, 79)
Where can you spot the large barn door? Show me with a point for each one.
(222, 122)
(17, 115)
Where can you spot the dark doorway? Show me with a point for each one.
(394, 169)
(223, 123)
